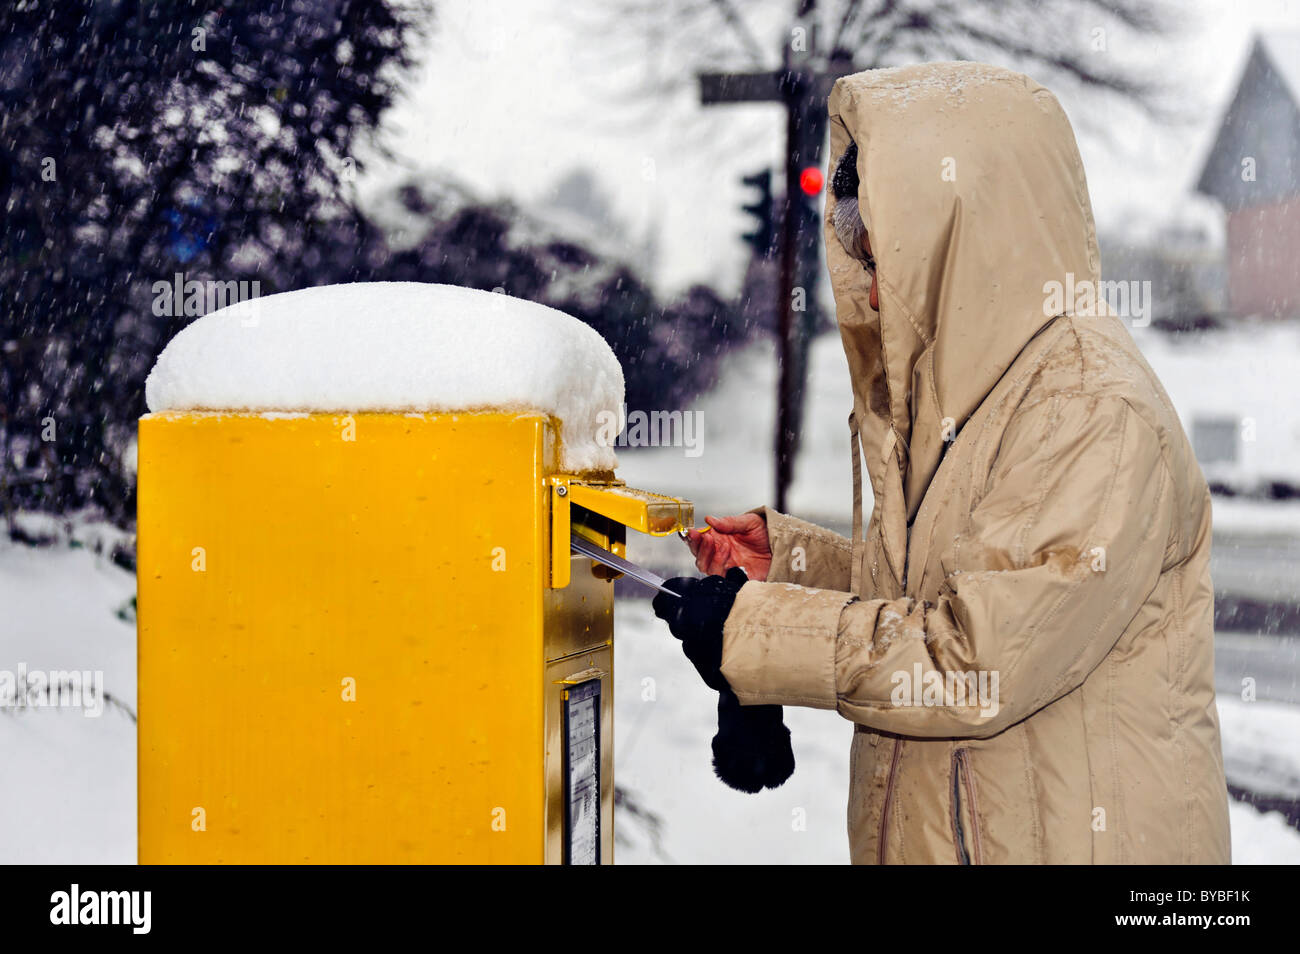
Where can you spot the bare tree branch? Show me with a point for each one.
(732, 16)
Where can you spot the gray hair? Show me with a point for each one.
(849, 227)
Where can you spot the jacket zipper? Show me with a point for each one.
(963, 784)
(889, 802)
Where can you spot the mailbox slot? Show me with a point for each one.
(600, 511)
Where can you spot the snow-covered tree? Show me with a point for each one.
(141, 139)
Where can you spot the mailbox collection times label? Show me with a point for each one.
(582, 773)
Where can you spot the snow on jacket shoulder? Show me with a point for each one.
(1024, 637)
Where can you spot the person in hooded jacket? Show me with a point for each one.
(1023, 637)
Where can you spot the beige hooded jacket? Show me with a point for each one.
(1024, 638)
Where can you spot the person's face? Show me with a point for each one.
(871, 268)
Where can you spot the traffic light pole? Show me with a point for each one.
(803, 91)
(787, 415)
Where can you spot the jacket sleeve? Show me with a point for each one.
(805, 553)
(1056, 558)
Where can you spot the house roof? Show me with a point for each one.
(1283, 50)
(1255, 155)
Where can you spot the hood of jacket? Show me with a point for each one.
(974, 197)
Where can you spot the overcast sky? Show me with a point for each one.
(510, 96)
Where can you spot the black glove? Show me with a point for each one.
(697, 617)
(752, 747)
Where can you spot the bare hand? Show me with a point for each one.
(734, 541)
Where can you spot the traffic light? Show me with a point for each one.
(763, 237)
(811, 180)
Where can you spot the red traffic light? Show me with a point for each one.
(811, 180)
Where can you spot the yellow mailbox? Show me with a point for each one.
(364, 638)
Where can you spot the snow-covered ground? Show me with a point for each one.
(1244, 383)
(1261, 744)
(662, 756)
(69, 779)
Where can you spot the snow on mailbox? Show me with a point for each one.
(364, 636)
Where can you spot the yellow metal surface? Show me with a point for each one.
(560, 523)
(348, 651)
(639, 509)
